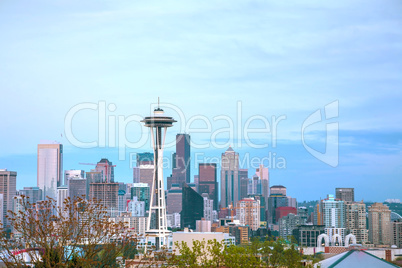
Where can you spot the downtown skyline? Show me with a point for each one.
(276, 59)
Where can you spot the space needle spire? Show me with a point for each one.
(158, 124)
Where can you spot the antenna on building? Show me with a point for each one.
(158, 102)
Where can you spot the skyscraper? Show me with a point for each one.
(77, 187)
(73, 173)
(276, 199)
(207, 181)
(181, 161)
(332, 212)
(345, 194)
(263, 173)
(8, 182)
(92, 177)
(107, 169)
(174, 199)
(243, 178)
(33, 193)
(183, 156)
(145, 159)
(397, 233)
(192, 207)
(248, 212)
(107, 194)
(229, 178)
(1, 209)
(356, 221)
(379, 216)
(144, 174)
(62, 194)
(50, 168)
(141, 191)
(287, 224)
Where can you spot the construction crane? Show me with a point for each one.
(101, 164)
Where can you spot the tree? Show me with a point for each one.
(77, 234)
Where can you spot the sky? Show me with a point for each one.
(315, 84)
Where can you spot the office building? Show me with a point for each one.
(284, 211)
(145, 159)
(144, 174)
(50, 168)
(8, 182)
(203, 225)
(1, 209)
(229, 178)
(107, 169)
(356, 221)
(263, 174)
(62, 194)
(173, 220)
(254, 187)
(276, 199)
(196, 182)
(379, 217)
(278, 189)
(142, 192)
(244, 183)
(92, 177)
(287, 224)
(174, 199)
(397, 233)
(122, 197)
(136, 207)
(306, 235)
(73, 174)
(34, 194)
(208, 208)
(207, 181)
(183, 156)
(345, 194)
(192, 207)
(77, 187)
(181, 159)
(107, 194)
(248, 212)
(303, 214)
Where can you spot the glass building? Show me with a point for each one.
(50, 168)
(192, 207)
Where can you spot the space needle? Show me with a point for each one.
(158, 124)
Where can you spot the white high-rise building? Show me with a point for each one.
(208, 207)
(137, 208)
(73, 174)
(333, 212)
(50, 168)
(62, 194)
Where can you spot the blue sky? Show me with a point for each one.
(276, 59)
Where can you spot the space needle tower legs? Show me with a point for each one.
(158, 124)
